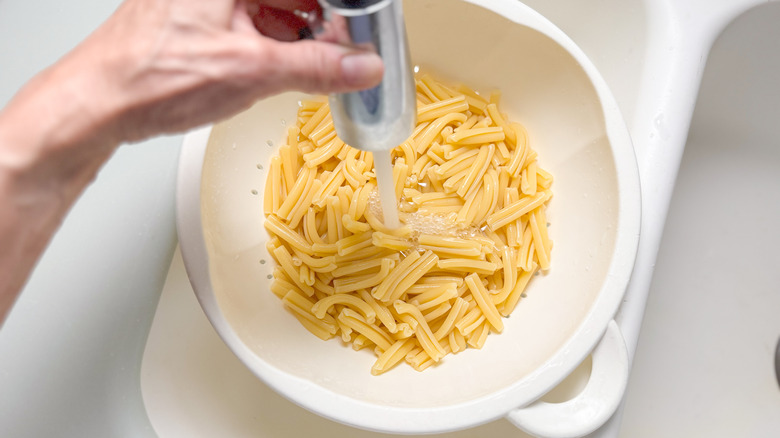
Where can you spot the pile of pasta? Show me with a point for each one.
(472, 203)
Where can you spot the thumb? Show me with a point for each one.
(320, 67)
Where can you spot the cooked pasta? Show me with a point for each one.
(472, 205)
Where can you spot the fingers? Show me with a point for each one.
(216, 13)
(318, 67)
(241, 21)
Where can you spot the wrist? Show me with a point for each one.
(56, 130)
(54, 136)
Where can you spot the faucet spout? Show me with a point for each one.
(382, 117)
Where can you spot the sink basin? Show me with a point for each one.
(704, 364)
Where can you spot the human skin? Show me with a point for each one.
(154, 67)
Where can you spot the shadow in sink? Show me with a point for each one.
(704, 365)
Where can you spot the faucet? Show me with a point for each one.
(382, 117)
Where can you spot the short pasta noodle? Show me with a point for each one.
(473, 209)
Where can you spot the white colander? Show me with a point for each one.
(574, 124)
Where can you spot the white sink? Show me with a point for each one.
(704, 365)
(702, 368)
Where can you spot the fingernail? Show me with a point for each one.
(362, 69)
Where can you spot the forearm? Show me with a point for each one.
(156, 66)
(53, 139)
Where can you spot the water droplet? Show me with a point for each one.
(269, 143)
(661, 126)
(284, 122)
(260, 166)
(254, 192)
(262, 261)
(417, 69)
(269, 276)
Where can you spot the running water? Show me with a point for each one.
(386, 188)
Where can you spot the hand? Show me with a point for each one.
(156, 66)
(189, 62)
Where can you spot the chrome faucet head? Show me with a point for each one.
(382, 117)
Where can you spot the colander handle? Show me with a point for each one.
(593, 406)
